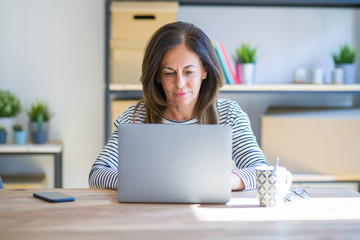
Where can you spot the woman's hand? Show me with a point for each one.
(236, 182)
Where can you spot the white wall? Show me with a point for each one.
(54, 51)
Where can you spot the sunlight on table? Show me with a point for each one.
(248, 209)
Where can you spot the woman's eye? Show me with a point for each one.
(189, 72)
(169, 74)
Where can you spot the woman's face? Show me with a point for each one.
(181, 74)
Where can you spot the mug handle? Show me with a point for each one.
(289, 180)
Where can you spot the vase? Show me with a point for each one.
(38, 137)
(20, 137)
(8, 123)
(248, 71)
(2, 137)
(349, 70)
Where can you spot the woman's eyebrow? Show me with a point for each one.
(170, 68)
(189, 66)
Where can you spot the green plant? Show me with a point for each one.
(17, 127)
(246, 54)
(2, 129)
(346, 55)
(9, 104)
(39, 111)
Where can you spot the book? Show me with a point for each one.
(239, 72)
(236, 80)
(228, 77)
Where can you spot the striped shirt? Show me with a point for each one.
(246, 152)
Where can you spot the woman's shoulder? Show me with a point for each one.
(229, 111)
(227, 105)
(128, 115)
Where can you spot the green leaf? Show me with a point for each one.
(345, 55)
(246, 54)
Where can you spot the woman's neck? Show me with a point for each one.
(179, 114)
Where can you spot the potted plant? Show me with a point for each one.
(2, 135)
(345, 59)
(9, 107)
(246, 58)
(39, 116)
(19, 134)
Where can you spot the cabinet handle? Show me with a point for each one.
(144, 17)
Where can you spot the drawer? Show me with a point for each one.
(139, 20)
(125, 61)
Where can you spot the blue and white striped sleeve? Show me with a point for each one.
(246, 151)
(104, 172)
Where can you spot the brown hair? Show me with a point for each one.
(165, 38)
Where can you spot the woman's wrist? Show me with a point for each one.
(236, 182)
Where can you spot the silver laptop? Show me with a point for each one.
(162, 163)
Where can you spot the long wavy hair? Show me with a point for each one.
(164, 39)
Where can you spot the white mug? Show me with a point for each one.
(272, 185)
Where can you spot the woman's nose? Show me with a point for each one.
(180, 81)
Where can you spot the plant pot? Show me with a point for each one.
(20, 137)
(3, 137)
(349, 72)
(8, 123)
(38, 137)
(248, 71)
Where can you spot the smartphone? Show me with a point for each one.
(54, 197)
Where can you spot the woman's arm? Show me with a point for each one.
(104, 172)
(246, 152)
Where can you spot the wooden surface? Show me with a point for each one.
(326, 88)
(96, 214)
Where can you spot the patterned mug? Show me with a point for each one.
(272, 185)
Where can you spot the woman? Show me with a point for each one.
(181, 78)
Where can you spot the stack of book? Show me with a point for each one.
(230, 75)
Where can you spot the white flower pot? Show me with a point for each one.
(248, 71)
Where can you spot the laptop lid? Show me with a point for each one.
(163, 163)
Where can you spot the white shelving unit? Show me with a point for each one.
(134, 91)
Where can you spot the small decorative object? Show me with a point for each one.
(299, 75)
(246, 57)
(345, 59)
(19, 134)
(9, 107)
(2, 135)
(317, 76)
(337, 76)
(39, 115)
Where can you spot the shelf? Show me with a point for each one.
(325, 88)
(269, 3)
(301, 88)
(125, 87)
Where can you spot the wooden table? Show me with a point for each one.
(51, 148)
(96, 214)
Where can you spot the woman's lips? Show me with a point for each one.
(181, 94)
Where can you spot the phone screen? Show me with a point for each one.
(54, 197)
